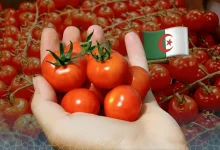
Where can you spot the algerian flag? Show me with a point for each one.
(166, 43)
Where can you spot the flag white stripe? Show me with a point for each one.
(179, 41)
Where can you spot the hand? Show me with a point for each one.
(155, 129)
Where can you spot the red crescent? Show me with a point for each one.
(160, 43)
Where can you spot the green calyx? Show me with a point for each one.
(64, 58)
(103, 53)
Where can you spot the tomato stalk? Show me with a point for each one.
(206, 89)
(180, 99)
(188, 86)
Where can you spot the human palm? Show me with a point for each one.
(154, 129)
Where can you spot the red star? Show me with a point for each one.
(169, 42)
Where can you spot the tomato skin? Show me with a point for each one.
(134, 5)
(201, 56)
(105, 11)
(160, 78)
(21, 81)
(32, 66)
(212, 65)
(194, 20)
(25, 18)
(27, 7)
(159, 98)
(7, 73)
(34, 50)
(17, 61)
(59, 4)
(140, 80)
(183, 113)
(171, 20)
(46, 6)
(206, 120)
(123, 103)
(217, 82)
(183, 67)
(81, 100)
(108, 74)
(4, 104)
(12, 31)
(3, 89)
(119, 8)
(208, 101)
(211, 21)
(5, 57)
(193, 39)
(64, 78)
(18, 108)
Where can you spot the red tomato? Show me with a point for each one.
(150, 26)
(119, 8)
(183, 67)
(78, 18)
(171, 20)
(67, 77)
(200, 73)
(89, 19)
(177, 86)
(115, 44)
(179, 3)
(202, 56)
(102, 22)
(206, 120)
(160, 78)
(208, 98)
(3, 105)
(17, 61)
(134, 5)
(140, 80)
(46, 6)
(5, 57)
(81, 100)
(10, 12)
(34, 50)
(27, 125)
(162, 5)
(206, 41)
(36, 33)
(76, 47)
(108, 74)
(11, 21)
(211, 21)
(27, 7)
(25, 18)
(183, 110)
(105, 11)
(3, 90)
(148, 2)
(20, 81)
(88, 4)
(123, 103)
(7, 74)
(59, 4)
(212, 65)
(9, 43)
(19, 107)
(12, 31)
(194, 20)
(32, 66)
(146, 10)
(53, 18)
(73, 3)
(217, 82)
(159, 98)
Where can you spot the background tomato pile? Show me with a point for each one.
(188, 87)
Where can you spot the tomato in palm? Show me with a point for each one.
(21, 81)
(171, 20)
(109, 73)
(46, 6)
(19, 107)
(183, 67)
(105, 11)
(211, 21)
(159, 98)
(217, 82)
(123, 103)
(212, 65)
(76, 47)
(194, 20)
(64, 77)
(160, 78)
(31, 66)
(81, 100)
(27, 7)
(183, 109)
(201, 56)
(7, 74)
(140, 80)
(208, 98)
(5, 57)
(3, 89)
(119, 8)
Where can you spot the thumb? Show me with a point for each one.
(44, 104)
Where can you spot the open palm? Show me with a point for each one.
(155, 129)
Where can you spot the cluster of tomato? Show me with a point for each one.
(94, 77)
(20, 33)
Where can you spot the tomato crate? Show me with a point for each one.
(104, 72)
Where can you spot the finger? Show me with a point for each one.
(71, 34)
(44, 104)
(135, 50)
(49, 40)
(98, 34)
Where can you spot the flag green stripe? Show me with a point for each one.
(151, 45)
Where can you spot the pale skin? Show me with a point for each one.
(154, 129)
